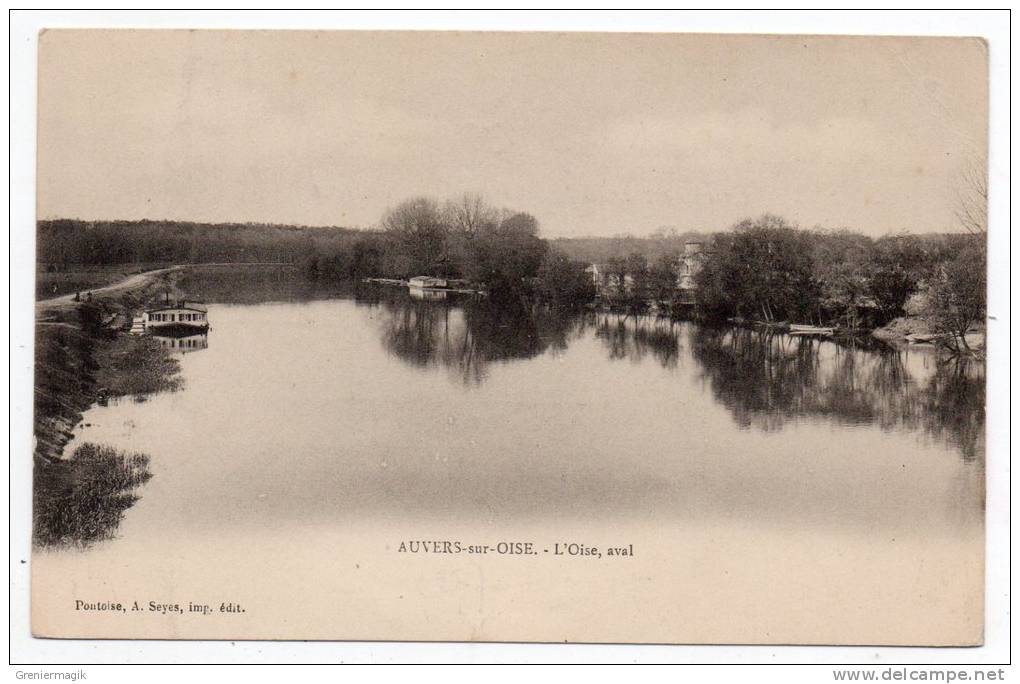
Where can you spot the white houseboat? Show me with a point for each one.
(182, 316)
(427, 282)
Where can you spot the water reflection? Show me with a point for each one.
(951, 406)
(465, 334)
(183, 343)
(766, 380)
(255, 284)
(430, 295)
(388, 418)
(634, 338)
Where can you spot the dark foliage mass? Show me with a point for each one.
(956, 288)
(65, 242)
(81, 500)
(762, 269)
(769, 270)
(497, 249)
(562, 280)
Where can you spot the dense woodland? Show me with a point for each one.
(71, 243)
(68, 243)
(328, 252)
(769, 270)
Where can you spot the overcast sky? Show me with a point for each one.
(594, 134)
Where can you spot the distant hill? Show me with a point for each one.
(73, 241)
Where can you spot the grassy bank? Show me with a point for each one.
(83, 354)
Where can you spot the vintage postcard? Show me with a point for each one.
(510, 336)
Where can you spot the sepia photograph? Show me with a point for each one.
(510, 336)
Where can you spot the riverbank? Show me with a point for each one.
(133, 283)
(83, 356)
(916, 330)
(54, 281)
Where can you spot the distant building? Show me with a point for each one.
(594, 271)
(607, 282)
(691, 263)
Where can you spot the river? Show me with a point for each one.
(772, 488)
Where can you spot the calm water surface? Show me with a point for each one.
(823, 481)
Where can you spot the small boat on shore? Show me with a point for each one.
(810, 330)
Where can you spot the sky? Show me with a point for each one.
(593, 134)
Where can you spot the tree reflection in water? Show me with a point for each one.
(629, 337)
(767, 379)
(952, 406)
(466, 335)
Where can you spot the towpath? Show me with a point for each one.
(134, 281)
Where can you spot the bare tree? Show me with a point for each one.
(469, 213)
(972, 198)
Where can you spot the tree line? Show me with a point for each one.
(765, 269)
(64, 244)
(463, 238)
(768, 270)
